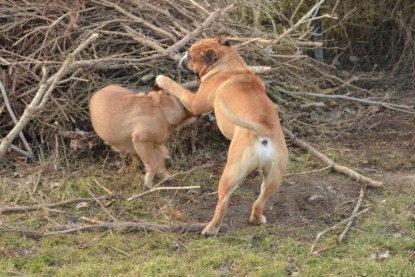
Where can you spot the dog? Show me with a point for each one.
(138, 124)
(245, 115)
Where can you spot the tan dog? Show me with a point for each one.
(244, 114)
(137, 124)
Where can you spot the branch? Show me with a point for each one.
(20, 151)
(137, 37)
(158, 31)
(336, 167)
(174, 49)
(171, 177)
(319, 235)
(295, 26)
(19, 209)
(159, 189)
(355, 210)
(29, 152)
(127, 226)
(42, 95)
(402, 108)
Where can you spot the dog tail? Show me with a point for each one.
(259, 130)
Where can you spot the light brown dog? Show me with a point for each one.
(244, 114)
(137, 124)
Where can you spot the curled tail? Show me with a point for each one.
(258, 129)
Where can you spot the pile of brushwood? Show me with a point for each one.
(325, 56)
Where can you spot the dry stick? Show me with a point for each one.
(42, 95)
(295, 26)
(128, 226)
(356, 208)
(344, 82)
(156, 188)
(175, 48)
(336, 167)
(103, 207)
(137, 37)
(29, 152)
(158, 31)
(159, 189)
(18, 209)
(18, 150)
(402, 108)
(319, 235)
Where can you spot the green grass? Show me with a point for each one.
(268, 250)
(258, 251)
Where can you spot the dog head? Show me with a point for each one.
(173, 109)
(206, 54)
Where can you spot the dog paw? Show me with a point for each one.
(162, 81)
(258, 221)
(208, 232)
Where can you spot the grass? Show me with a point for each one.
(270, 250)
(255, 252)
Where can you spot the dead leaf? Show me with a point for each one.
(55, 184)
(82, 205)
(384, 255)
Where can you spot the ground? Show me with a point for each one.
(381, 242)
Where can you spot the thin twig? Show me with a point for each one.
(309, 14)
(402, 108)
(159, 189)
(42, 95)
(309, 172)
(355, 210)
(13, 116)
(19, 209)
(171, 177)
(319, 235)
(19, 151)
(336, 167)
(175, 48)
(157, 31)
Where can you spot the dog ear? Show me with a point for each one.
(224, 41)
(210, 57)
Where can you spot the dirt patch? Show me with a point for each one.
(301, 200)
(306, 200)
(383, 148)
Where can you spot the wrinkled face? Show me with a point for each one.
(203, 55)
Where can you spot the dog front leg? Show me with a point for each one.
(186, 97)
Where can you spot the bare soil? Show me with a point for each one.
(382, 148)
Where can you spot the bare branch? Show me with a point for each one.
(336, 167)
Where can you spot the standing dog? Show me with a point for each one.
(245, 115)
(137, 124)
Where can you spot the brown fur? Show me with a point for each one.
(137, 124)
(244, 114)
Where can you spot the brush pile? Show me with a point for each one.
(139, 39)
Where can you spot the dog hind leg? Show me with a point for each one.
(151, 159)
(233, 174)
(270, 184)
(163, 154)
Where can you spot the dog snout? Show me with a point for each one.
(183, 61)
